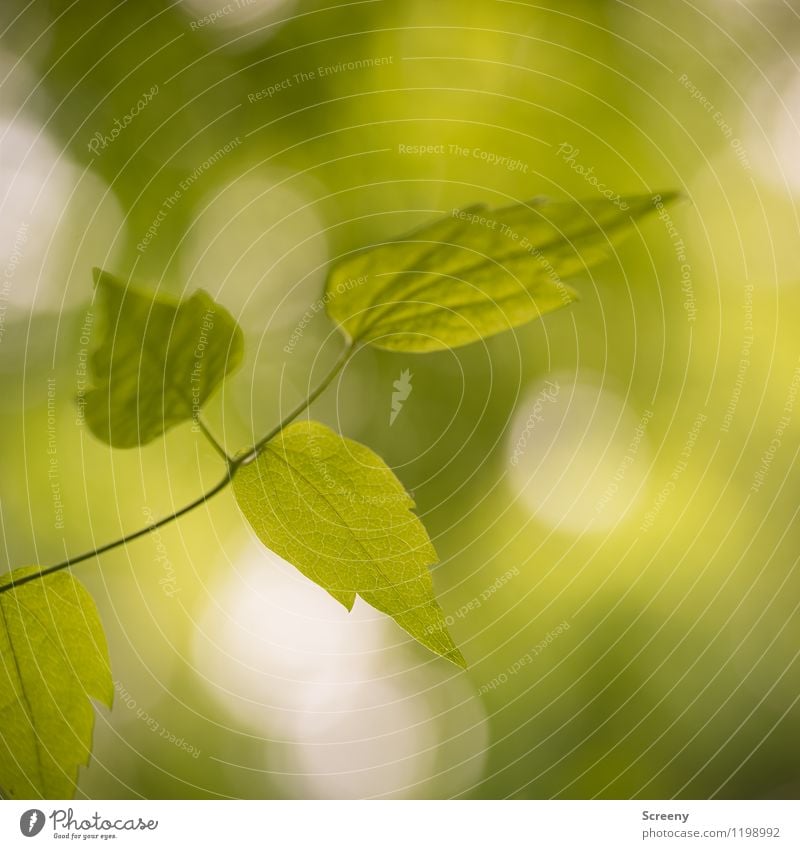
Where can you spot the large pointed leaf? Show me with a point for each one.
(475, 272)
(53, 660)
(335, 510)
(158, 362)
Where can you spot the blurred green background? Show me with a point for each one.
(624, 587)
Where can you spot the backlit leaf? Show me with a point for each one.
(335, 510)
(53, 661)
(474, 272)
(158, 362)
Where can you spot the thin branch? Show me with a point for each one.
(234, 464)
(212, 440)
(251, 454)
(95, 552)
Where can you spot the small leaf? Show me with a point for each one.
(336, 511)
(158, 362)
(53, 659)
(475, 272)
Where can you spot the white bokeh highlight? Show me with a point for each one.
(578, 454)
(56, 222)
(289, 664)
(258, 245)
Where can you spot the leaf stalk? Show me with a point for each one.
(242, 458)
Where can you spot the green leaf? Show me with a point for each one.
(158, 362)
(336, 511)
(474, 272)
(53, 659)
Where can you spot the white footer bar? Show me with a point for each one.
(404, 825)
